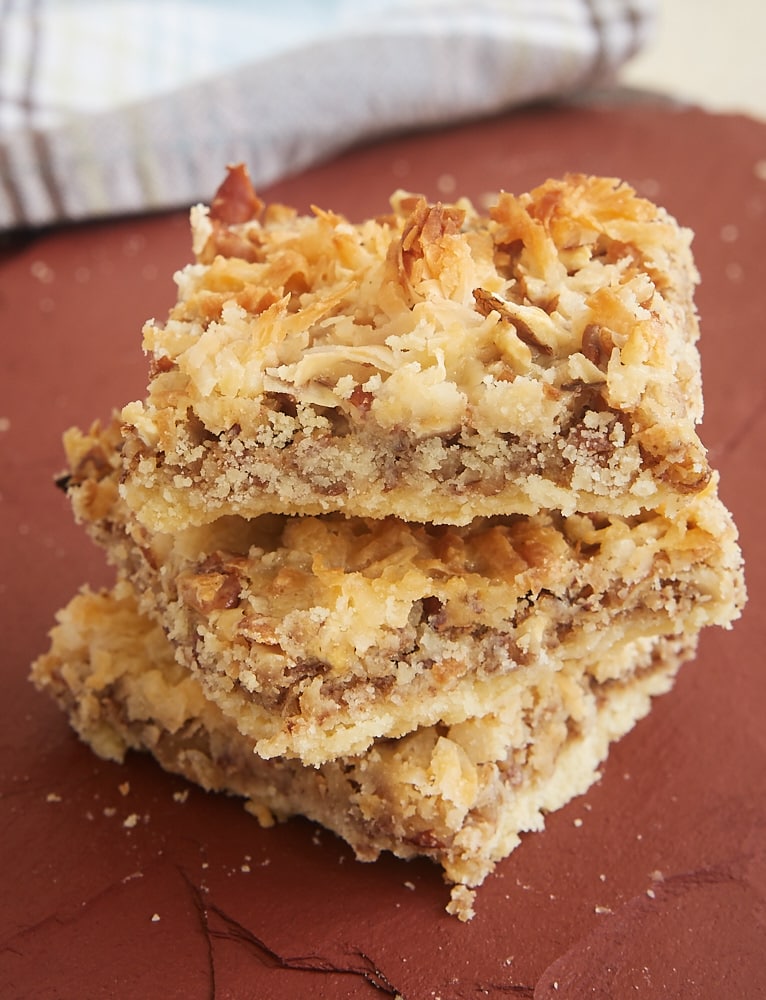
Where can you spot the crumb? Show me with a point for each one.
(182, 796)
(124, 788)
(109, 811)
(52, 797)
(155, 918)
(409, 885)
(461, 902)
(130, 821)
(602, 909)
(577, 822)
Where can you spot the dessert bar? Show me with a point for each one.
(433, 364)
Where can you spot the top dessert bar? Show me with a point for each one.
(435, 364)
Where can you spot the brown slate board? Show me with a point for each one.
(653, 884)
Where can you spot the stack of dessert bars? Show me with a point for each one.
(413, 520)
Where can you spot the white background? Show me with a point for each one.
(711, 52)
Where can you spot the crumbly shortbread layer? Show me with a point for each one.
(459, 794)
(435, 364)
(321, 634)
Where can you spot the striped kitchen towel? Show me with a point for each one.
(126, 106)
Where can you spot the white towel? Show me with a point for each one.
(119, 106)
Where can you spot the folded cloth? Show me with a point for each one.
(136, 106)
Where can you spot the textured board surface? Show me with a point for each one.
(124, 881)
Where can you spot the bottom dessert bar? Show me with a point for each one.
(461, 795)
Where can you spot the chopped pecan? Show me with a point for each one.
(683, 465)
(307, 668)
(507, 257)
(93, 464)
(235, 200)
(486, 303)
(361, 399)
(216, 586)
(597, 344)
(160, 365)
(260, 628)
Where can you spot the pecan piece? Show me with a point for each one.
(486, 303)
(216, 586)
(160, 365)
(597, 344)
(682, 464)
(361, 399)
(235, 200)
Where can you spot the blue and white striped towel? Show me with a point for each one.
(118, 106)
